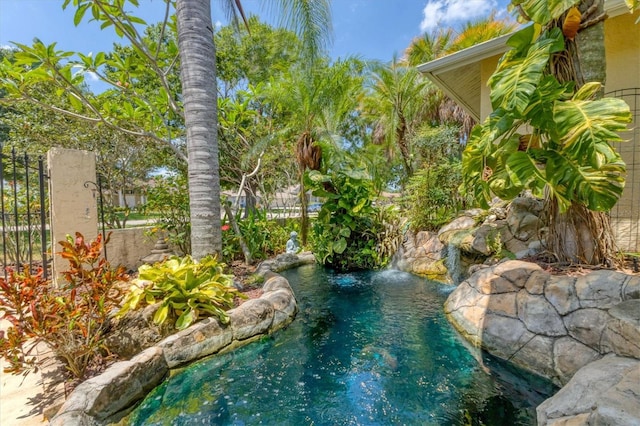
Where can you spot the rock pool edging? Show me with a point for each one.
(108, 397)
(559, 327)
(604, 392)
(475, 236)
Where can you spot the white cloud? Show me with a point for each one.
(218, 24)
(445, 12)
(89, 75)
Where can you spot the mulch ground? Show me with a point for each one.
(628, 265)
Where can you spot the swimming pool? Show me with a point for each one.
(366, 348)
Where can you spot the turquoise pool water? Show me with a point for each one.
(368, 348)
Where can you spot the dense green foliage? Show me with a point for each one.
(264, 237)
(568, 152)
(432, 196)
(345, 233)
(350, 232)
(185, 288)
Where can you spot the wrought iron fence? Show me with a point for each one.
(625, 215)
(97, 186)
(25, 212)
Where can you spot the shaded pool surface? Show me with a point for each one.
(368, 348)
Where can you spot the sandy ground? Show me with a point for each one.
(24, 400)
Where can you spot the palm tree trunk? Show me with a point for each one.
(198, 77)
(401, 137)
(582, 235)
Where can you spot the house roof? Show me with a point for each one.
(459, 74)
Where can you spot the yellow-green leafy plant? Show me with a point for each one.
(185, 288)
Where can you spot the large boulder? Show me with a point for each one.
(136, 331)
(605, 392)
(475, 236)
(422, 254)
(551, 325)
(523, 217)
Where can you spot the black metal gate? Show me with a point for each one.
(25, 212)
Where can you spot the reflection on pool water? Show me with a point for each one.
(367, 348)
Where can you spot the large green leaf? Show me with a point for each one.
(340, 245)
(522, 39)
(518, 74)
(581, 124)
(186, 319)
(598, 189)
(161, 314)
(540, 109)
(520, 171)
(543, 11)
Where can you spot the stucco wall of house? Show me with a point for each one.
(622, 44)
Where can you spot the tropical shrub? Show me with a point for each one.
(347, 232)
(168, 198)
(185, 288)
(230, 244)
(435, 143)
(433, 195)
(567, 153)
(18, 302)
(391, 234)
(71, 317)
(264, 237)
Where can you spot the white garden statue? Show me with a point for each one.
(293, 246)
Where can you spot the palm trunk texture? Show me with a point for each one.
(198, 77)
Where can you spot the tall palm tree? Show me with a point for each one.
(396, 102)
(198, 75)
(431, 46)
(481, 30)
(318, 101)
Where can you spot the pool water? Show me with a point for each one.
(367, 348)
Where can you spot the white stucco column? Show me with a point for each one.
(73, 198)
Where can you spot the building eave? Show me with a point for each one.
(467, 62)
(470, 55)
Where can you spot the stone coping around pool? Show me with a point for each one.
(574, 330)
(110, 396)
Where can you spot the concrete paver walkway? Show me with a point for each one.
(27, 400)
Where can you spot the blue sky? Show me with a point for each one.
(371, 29)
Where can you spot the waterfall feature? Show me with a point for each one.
(452, 263)
(396, 259)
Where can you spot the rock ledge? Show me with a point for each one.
(110, 396)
